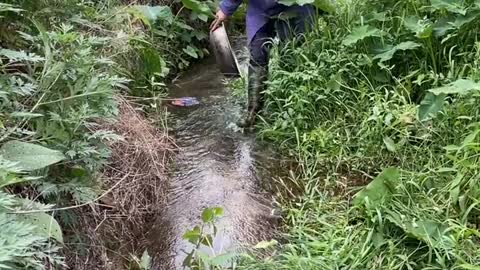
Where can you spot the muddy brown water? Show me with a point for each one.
(216, 166)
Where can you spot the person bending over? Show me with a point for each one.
(263, 21)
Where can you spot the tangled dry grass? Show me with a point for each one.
(117, 224)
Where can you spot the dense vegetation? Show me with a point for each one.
(63, 66)
(381, 93)
(385, 93)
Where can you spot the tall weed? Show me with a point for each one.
(62, 65)
(390, 84)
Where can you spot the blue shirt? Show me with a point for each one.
(260, 11)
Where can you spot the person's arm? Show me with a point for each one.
(227, 8)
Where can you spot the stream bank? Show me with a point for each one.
(66, 71)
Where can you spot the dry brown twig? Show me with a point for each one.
(140, 159)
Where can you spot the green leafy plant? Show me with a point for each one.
(200, 237)
(324, 5)
(25, 235)
(63, 65)
(200, 9)
(180, 45)
(379, 101)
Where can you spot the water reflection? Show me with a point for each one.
(214, 167)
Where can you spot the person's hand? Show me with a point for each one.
(220, 17)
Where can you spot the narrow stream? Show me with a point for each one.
(215, 166)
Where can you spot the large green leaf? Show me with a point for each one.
(442, 26)
(454, 6)
(325, 5)
(375, 16)
(421, 28)
(462, 20)
(445, 24)
(430, 105)
(361, 32)
(153, 63)
(193, 235)
(431, 232)
(30, 156)
(460, 86)
(387, 55)
(190, 51)
(45, 224)
(150, 15)
(198, 7)
(380, 189)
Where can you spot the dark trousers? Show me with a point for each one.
(260, 45)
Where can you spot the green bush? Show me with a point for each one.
(62, 65)
(384, 84)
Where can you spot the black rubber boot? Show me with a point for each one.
(257, 76)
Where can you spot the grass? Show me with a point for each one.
(66, 68)
(374, 95)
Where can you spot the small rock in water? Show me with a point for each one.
(235, 128)
(185, 101)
